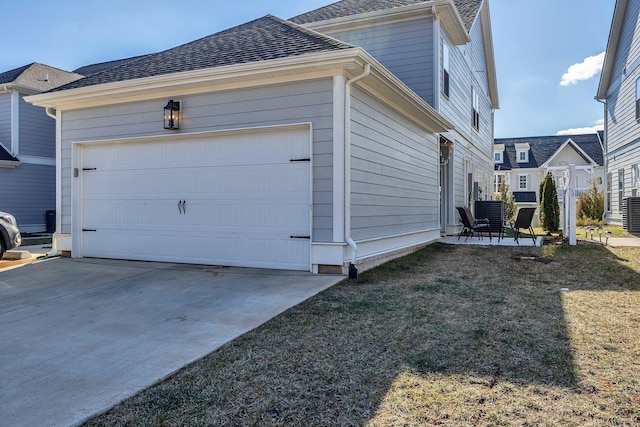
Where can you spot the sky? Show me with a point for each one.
(548, 53)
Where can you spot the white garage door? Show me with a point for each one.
(236, 200)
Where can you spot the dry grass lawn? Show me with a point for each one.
(449, 336)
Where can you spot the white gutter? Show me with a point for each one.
(50, 112)
(353, 272)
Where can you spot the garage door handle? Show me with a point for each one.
(89, 229)
(300, 237)
(300, 160)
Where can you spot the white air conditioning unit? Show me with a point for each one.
(631, 214)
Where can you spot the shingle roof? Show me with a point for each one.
(11, 75)
(263, 39)
(87, 70)
(543, 147)
(468, 9)
(36, 76)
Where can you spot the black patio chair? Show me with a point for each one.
(470, 225)
(523, 221)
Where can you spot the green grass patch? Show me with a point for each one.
(450, 335)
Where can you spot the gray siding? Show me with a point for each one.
(273, 105)
(394, 178)
(37, 131)
(405, 48)
(623, 131)
(28, 191)
(5, 120)
(468, 70)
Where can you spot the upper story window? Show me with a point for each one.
(522, 152)
(523, 156)
(446, 70)
(498, 153)
(475, 109)
(638, 99)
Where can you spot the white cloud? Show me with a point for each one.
(599, 125)
(584, 70)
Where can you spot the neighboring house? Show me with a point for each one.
(289, 149)
(27, 145)
(522, 164)
(619, 90)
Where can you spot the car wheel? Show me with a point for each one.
(2, 248)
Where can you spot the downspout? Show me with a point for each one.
(605, 159)
(353, 271)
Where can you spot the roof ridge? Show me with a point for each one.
(310, 32)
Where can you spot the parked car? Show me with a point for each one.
(9, 233)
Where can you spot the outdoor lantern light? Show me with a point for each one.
(172, 115)
(607, 235)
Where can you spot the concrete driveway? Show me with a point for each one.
(78, 336)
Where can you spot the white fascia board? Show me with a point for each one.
(445, 8)
(489, 54)
(576, 147)
(302, 67)
(612, 48)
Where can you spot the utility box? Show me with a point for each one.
(50, 221)
(631, 214)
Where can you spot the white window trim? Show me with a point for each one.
(446, 69)
(526, 156)
(497, 157)
(496, 183)
(526, 177)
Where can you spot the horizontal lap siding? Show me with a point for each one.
(468, 70)
(244, 108)
(5, 120)
(405, 48)
(622, 126)
(31, 192)
(37, 131)
(394, 172)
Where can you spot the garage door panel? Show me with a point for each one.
(244, 199)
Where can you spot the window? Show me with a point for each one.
(498, 182)
(638, 99)
(609, 186)
(497, 156)
(523, 156)
(620, 188)
(523, 182)
(475, 109)
(635, 179)
(445, 69)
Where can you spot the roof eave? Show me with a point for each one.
(350, 62)
(612, 47)
(445, 8)
(489, 55)
(195, 81)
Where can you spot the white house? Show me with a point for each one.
(522, 164)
